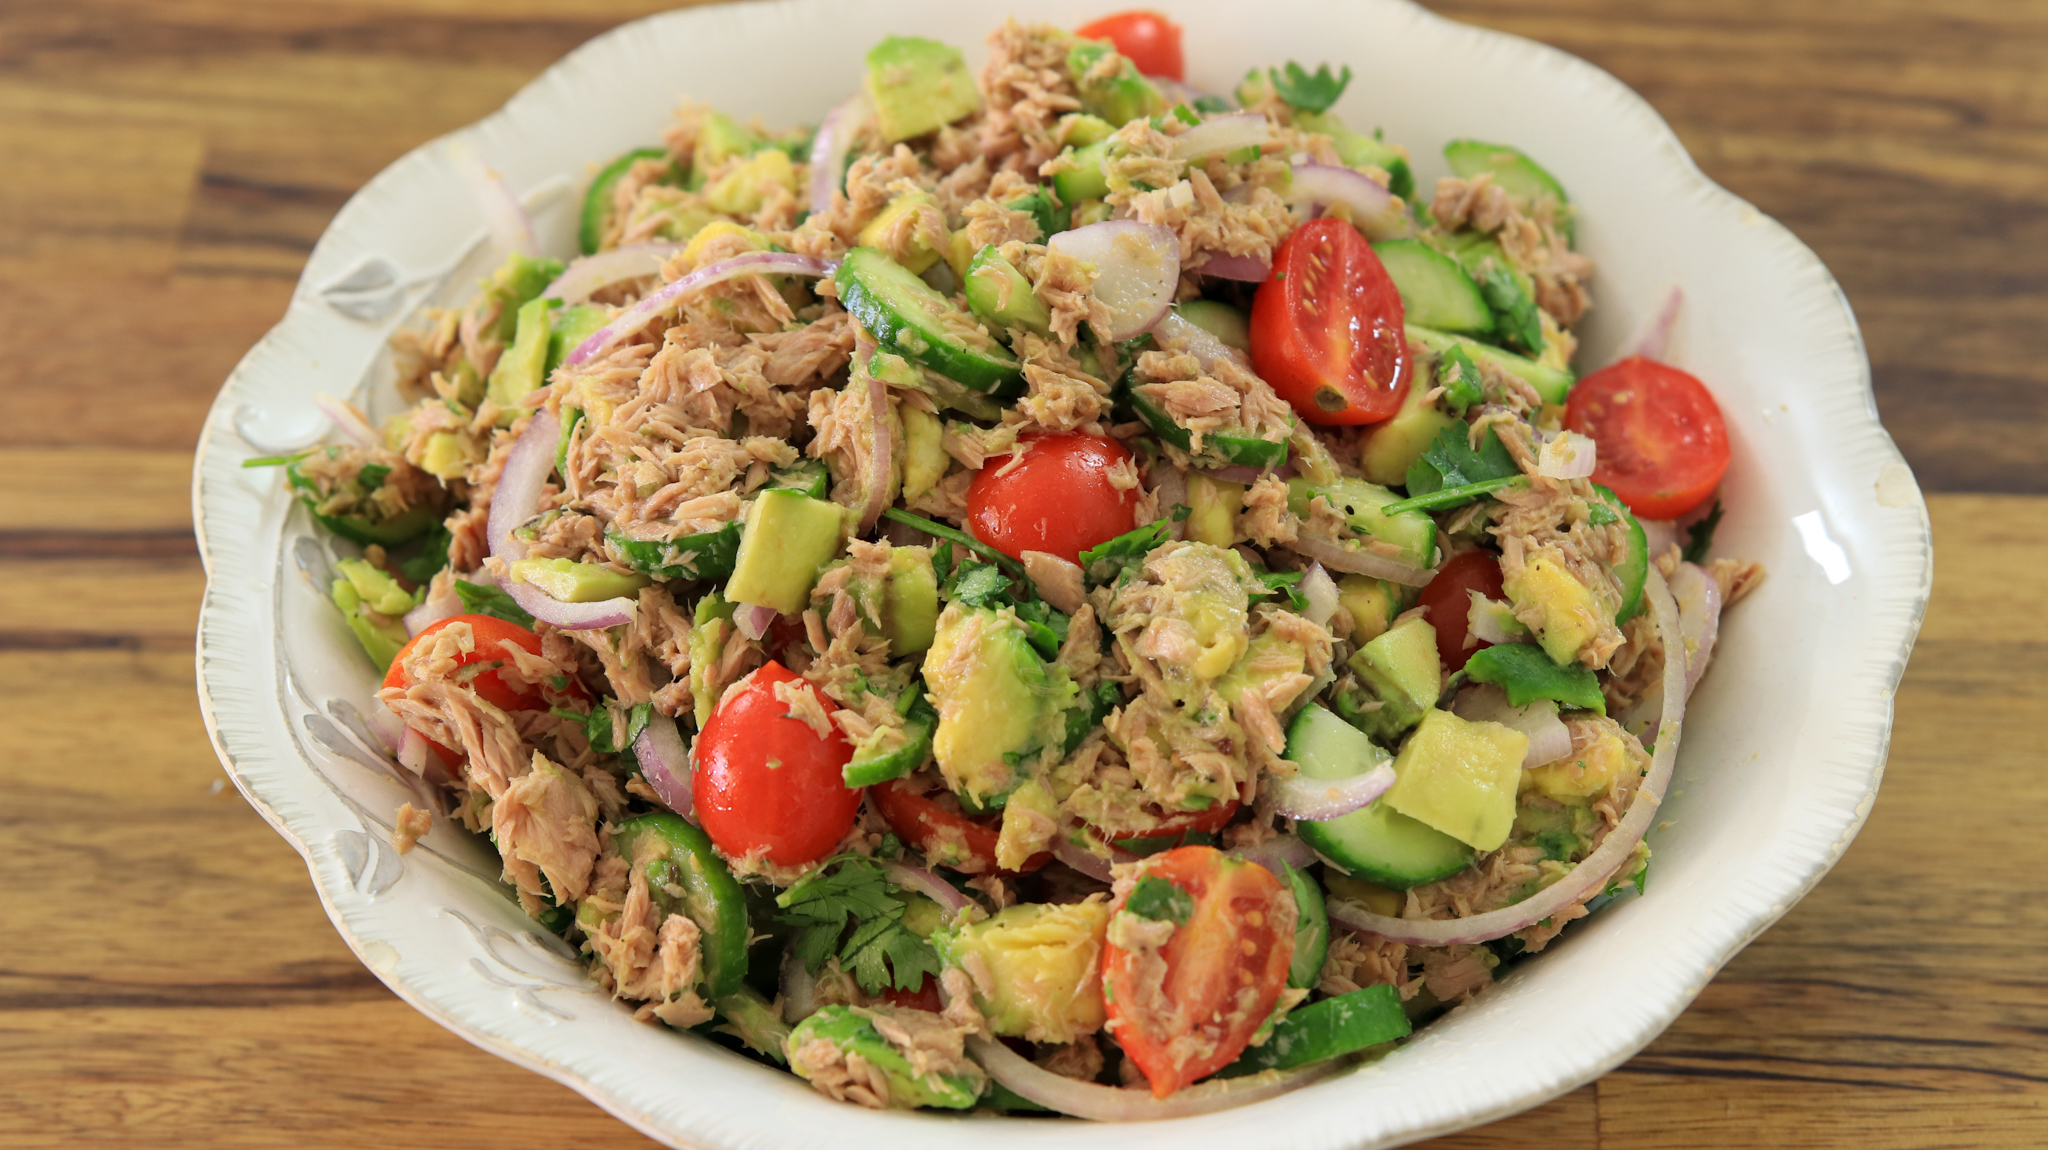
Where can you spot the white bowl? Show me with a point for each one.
(1785, 741)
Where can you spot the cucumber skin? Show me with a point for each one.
(994, 372)
(1551, 384)
(1426, 278)
(920, 723)
(704, 878)
(598, 198)
(1225, 448)
(1336, 839)
(1636, 569)
(714, 552)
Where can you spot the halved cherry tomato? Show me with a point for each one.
(925, 997)
(1326, 328)
(1150, 40)
(1450, 608)
(768, 784)
(1663, 444)
(1059, 499)
(1225, 967)
(489, 631)
(946, 838)
(1180, 823)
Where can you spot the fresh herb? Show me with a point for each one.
(372, 475)
(597, 725)
(1527, 674)
(1244, 155)
(1451, 496)
(1044, 627)
(1450, 461)
(1211, 104)
(852, 892)
(1309, 92)
(1700, 536)
(976, 584)
(1091, 708)
(1159, 900)
(1459, 377)
(1599, 514)
(273, 460)
(1286, 583)
(433, 555)
(1186, 115)
(955, 535)
(480, 600)
(1104, 562)
(1514, 312)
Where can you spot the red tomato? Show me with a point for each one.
(925, 997)
(1150, 40)
(1663, 444)
(945, 837)
(1326, 328)
(489, 632)
(1059, 499)
(1450, 608)
(766, 783)
(1183, 822)
(1225, 967)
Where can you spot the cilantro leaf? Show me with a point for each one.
(1212, 104)
(1700, 536)
(852, 891)
(1527, 674)
(955, 535)
(1044, 626)
(372, 475)
(976, 584)
(1459, 377)
(1104, 562)
(1514, 312)
(1090, 709)
(1599, 514)
(1450, 461)
(1310, 93)
(1159, 900)
(1451, 496)
(1286, 583)
(432, 557)
(480, 600)
(597, 725)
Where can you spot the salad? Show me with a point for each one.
(1051, 591)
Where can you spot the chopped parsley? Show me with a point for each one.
(1599, 514)
(1700, 536)
(1159, 900)
(1459, 377)
(852, 894)
(478, 599)
(1286, 583)
(1310, 92)
(597, 725)
(1514, 312)
(1105, 562)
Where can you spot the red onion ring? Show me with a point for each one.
(881, 459)
(1320, 800)
(1361, 562)
(644, 312)
(1566, 455)
(1321, 592)
(924, 882)
(516, 498)
(1655, 336)
(414, 752)
(348, 419)
(511, 229)
(1374, 210)
(1278, 850)
(1699, 619)
(1220, 134)
(753, 622)
(1112, 1104)
(1081, 859)
(1585, 879)
(432, 611)
(582, 279)
(1137, 270)
(389, 728)
(665, 762)
(571, 616)
(830, 146)
(1549, 740)
(1245, 269)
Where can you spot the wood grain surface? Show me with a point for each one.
(167, 977)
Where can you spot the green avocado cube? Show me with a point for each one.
(1460, 777)
(523, 367)
(1041, 966)
(918, 86)
(788, 539)
(568, 581)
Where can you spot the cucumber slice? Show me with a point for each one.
(810, 477)
(1084, 178)
(1635, 569)
(1226, 323)
(1414, 532)
(1330, 1028)
(1001, 297)
(707, 555)
(1512, 169)
(1375, 842)
(689, 878)
(1550, 383)
(904, 314)
(919, 724)
(1311, 930)
(1435, 291)
(1223, 448)
(597, 202)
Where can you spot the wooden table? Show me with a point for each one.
(167, 977)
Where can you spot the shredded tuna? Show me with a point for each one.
(410, 826)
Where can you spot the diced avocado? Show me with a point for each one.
(960, 253)
(1402, 671)
(1269, 657)
(1634, 569)
(1002, 297)
(693, 252)
(719, 138)
(1212, 509)
(1388, 450)
(902, 604)
(1110, 85)
(742, 191)
(568, 581)
(1357, 150)
(709, 630)
(921, 255)
(918, 86)
(1079, 129)
(448, 455)
(1550, 383)
(849, 1032)
(1079, 177)
(362, 588)
(1589, 770)
(375, 589)
(1229, 325)
(1031, 818)
(1412, 533)
(523, 366)
(788, 539)
(569, 328)
(1372, 604)
(1043, 967)
(1460, 777)
(1374, 842)
(1311, 929)
(665, 213)
(520, 279)
(1372, 896)
(1571, 614)
(924, 453)
(996, 701)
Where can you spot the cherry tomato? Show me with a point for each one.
(1059, 499)
(1326, 328)
(1225, 967)
(1150, 40)
(946, 838)
(1450, 608)
(489, 632)
(925, 997)
(1181, 823)
(768, 784)
(1663, 444)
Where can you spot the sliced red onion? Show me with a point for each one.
(1287, 849)
(644, 312)
(1699, 619)
(511, 229)
(1081, 859)
(1137, 269)
(1493, 621)
(1655, 337)
(1549, 740)
(665, 762)
(1247, 475)
(516, 499)
(1321, 592)
(1566, 455)
(880, 457)
(571, 616)
(1587, 878)
(348, 419)
(1220, 134)
(1114, 1104)
(1374, 210)
(389, 728)
(1362, 562)
(584, 278)
(1320, 800)
(830, 146)
(1659, 535)
(923, 881)
(432, 611)
(414, 752)
(753, 622)
(1244, 269)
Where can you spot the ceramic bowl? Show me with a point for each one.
(1784, 745)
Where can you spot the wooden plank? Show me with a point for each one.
(1565, 1124)
(1665, 1114)
(65, 206)
(96, 491)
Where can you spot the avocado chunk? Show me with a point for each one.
(1402, 671)
(1111, 87)
(1460, 777)
(788, 539)
(1570, 614)
(709, 629)
(447, 455)
(1595, 764)
(918, 86)
(1392, 447)
(523, 366)
(719, 138)
(999, 294)
(1030, 820)
(1269, 657)
(518, 281)
(1036, 968)
(1411, 533)
(1311, 929)
(568, 581)
(997, 701)
(1372, 604)
(835, 1035)
(1213, 505)
(372, 603)
(910, 602)
(742, 191)
(569, 328)
(921, 255)
(924, 452)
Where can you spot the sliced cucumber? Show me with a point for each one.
(1226, 323)
(1509, 292)
(1311, 929)
(1435, 291)
(1376, 842)
(1550, 383)
(1083, 177)
(919, 724)
(707, 555)
(1218, 447)
(1512, 170)
(810, 477)
(1000, 295)
(1632, 571)
(597, 202)
(1414, 532)
(904, 314)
